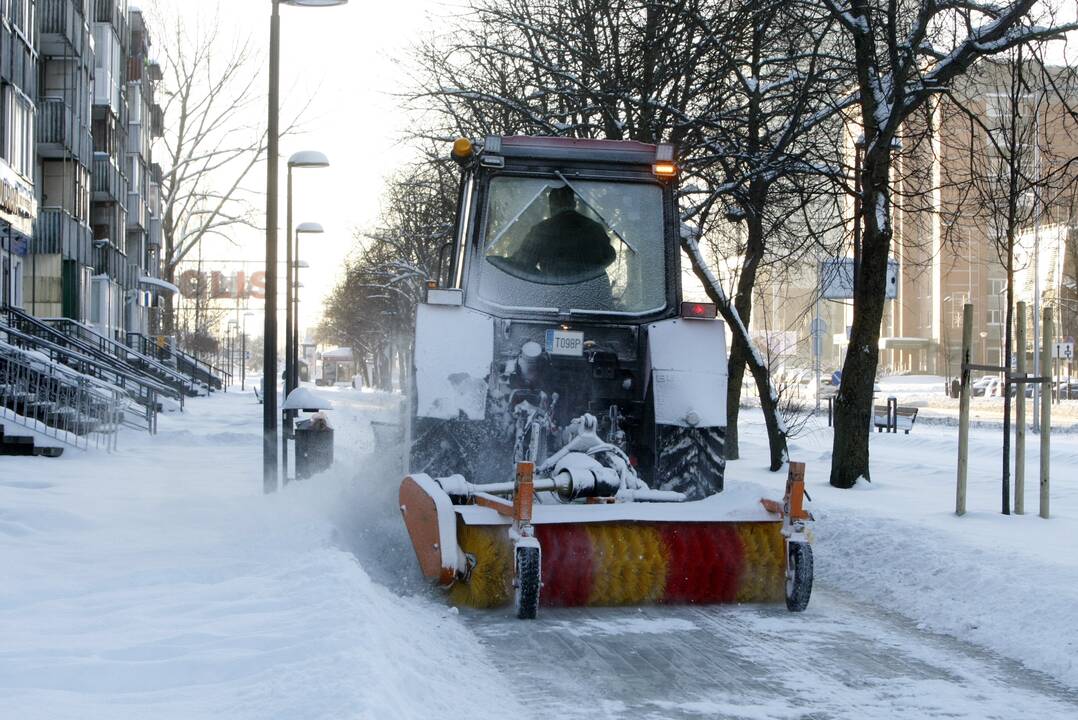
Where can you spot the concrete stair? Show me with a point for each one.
(24, 445)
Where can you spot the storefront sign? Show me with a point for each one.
(18, 205)
(216, 284)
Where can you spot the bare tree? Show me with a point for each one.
(740, 87)
(905, 53)
(372, 308)
(213, 139)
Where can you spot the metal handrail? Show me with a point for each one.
(57, 402)
(170, 350)
(92, 363)
(122, 351)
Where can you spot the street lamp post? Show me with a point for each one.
(269, 372)
(243, 353)
(303, 159)
(310, 228)
(233, 326)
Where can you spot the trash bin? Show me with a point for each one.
(314, 446)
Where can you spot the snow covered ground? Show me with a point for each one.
(158, 582)
(1008, 583)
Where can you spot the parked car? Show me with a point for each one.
(988, 386)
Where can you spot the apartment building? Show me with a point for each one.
(946, 248)
(18, 91)
(93, 255)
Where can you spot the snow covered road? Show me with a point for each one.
(841, 659)
(159, 582)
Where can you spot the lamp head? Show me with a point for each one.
(308, 159)
(313, 3)
(310, 227)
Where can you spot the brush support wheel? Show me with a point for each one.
(527, 582)
(798, 576)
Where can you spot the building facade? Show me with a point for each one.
(18, 93)
(949, 234)
(90, 94)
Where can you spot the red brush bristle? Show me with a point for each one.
(705, 563)
(568, 568)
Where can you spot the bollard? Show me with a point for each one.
(1020, 418)
(892, 414)
(963, 409)
(1046, 409)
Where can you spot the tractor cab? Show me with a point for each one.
(560, 294)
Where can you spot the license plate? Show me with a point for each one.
(565, 342)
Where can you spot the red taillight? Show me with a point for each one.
(698, 311)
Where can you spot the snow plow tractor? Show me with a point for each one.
(569, 410)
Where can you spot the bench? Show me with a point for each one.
(904, 418)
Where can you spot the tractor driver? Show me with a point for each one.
(567, 247)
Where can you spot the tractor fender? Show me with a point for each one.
(687, 370)
(454, 349)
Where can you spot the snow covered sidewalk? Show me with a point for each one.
(158, 582)
(1006, 583)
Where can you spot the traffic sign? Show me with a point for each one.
(1064, 351)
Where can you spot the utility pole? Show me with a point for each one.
(269, 347)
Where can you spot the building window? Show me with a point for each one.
(994, 317)
(18, 131)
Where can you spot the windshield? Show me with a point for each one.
(565, 244)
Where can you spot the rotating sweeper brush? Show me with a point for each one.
(568, 411)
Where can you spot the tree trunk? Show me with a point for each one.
(739, 348)
(853, 404)
(776, 435)
(769, 404)
(735, 378)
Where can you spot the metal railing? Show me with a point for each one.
(32, 333)
(56, 402)
(143, 361)
(198, 370)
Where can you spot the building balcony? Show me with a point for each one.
(135, 145)
(112, 261)
(59, 133)
(109, 185)
(157, 121)
(63, 28)
(136, 211)
(111, 12)
(59, 232)
(153, 232)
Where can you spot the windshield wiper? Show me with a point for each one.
(594, 209)
(523, 209)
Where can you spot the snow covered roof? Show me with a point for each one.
(338, 354)
(159, 284)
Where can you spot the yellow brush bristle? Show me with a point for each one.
(764, 575)
(629, 564)
(490, 584)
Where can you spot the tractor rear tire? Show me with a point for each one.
(690, 460)
(798, 576)
(528, 573)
